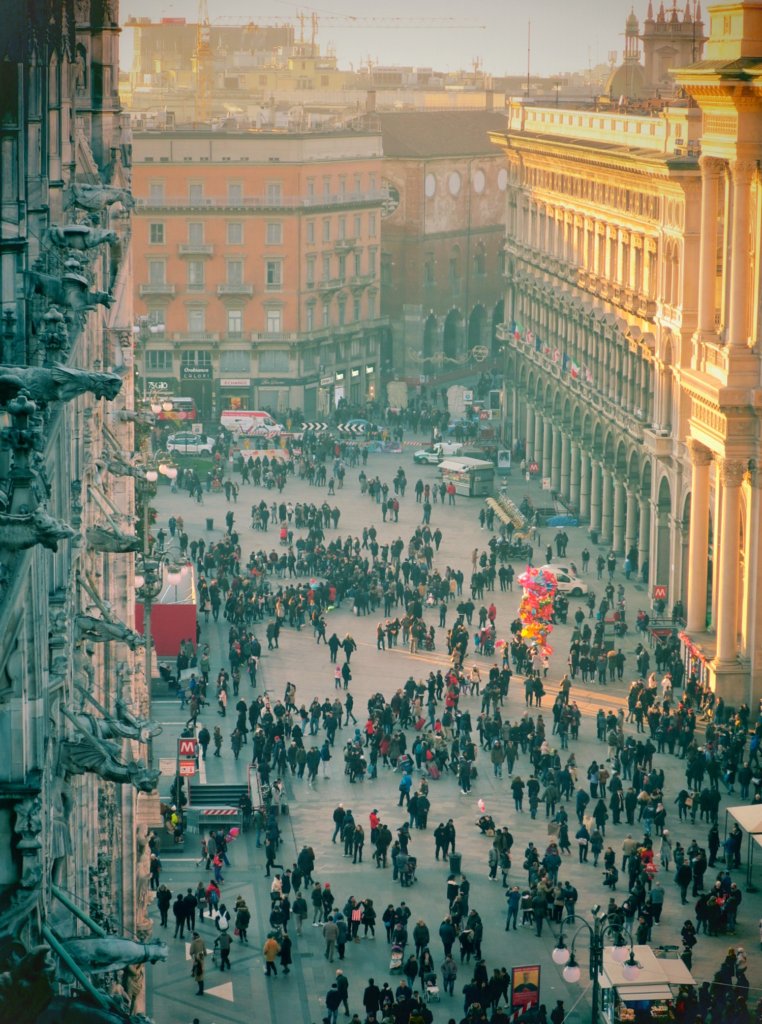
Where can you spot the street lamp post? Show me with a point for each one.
(601, 927)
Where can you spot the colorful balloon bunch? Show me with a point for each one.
(536, 608)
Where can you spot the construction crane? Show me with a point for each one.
(204, 68)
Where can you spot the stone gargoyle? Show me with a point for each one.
(97, 955)
(90, 754)
(80, 237)
(70, 291)
(124, 725)
(97, 197)
(58, 383)
(109, 538)
(118, 466)
(18, 532)
(102, 631)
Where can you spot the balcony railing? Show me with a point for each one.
(368, 198)
(195, 249)
(153, 288)
(235, 289)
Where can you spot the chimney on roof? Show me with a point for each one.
(489, 99)
(370, 102)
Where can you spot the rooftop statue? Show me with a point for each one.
(123, 725)
(59, 383)
(90, 754)
(69, 290)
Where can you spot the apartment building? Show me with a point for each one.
(257, 263)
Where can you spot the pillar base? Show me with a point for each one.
(730, 680)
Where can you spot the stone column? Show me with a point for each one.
(530, 434)
(731, 475)
(565, 465)
(631, 520)
(738, 298)
(619, 511)
(584, 485)
(555, 467)
(574, 480)
(538, 437)
(607, 506)
(698, 537)
(644, 532)
(547, 448)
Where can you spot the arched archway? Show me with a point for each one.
(663, 535)
(477, 327)
(498, 317)
(430, 343)
(452, 332)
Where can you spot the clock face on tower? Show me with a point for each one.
(391, 199)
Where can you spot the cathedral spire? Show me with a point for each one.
(650, 12)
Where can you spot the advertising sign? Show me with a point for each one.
(195, 373)
(187, 769)
(525, 987)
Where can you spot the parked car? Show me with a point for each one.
(567, 582)
(187, 443)
(427, 457)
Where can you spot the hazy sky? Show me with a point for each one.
(566, 34)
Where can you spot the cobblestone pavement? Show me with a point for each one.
(245, 994)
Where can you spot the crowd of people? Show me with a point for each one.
(456, 721)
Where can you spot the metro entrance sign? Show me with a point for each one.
(187, 747)
(660, 592)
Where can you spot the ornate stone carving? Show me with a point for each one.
(104, 630)
(28, 826)
(732, 472)
(70, 290)
(98, 197)
(80, 237)
(124, 725)
(57, 384)
(96, 955)
(18, 532)
(102, 537)
(90, 754)
(699, 454)
(54, 336)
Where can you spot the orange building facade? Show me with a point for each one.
(257, 259)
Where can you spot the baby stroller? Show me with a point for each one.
(395, 961)
(408, 872)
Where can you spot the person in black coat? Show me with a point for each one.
(163, 901)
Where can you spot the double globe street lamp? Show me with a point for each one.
(603, 926)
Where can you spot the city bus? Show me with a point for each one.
(183, 408)
(474, 478)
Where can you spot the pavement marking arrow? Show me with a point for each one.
(222, 992)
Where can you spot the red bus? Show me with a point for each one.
(181, 409)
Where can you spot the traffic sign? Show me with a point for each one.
(187, 746)
(352, 428)
(317, 427)
(187, 768)
(659, 592)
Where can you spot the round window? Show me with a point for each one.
(479, 181)
(431, 185)
(453, 183)
(502, 179)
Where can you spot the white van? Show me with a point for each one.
(250, 423)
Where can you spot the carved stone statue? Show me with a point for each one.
(80, 236)
(98, 197)
(71, 291)
(109, 538)
(133, 980)
(103, 630)
(59, 383)
(89, 754)
(97, 955)
(18, 532)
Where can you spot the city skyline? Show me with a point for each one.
(564, 37)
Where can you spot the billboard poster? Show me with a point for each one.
(525, 987)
